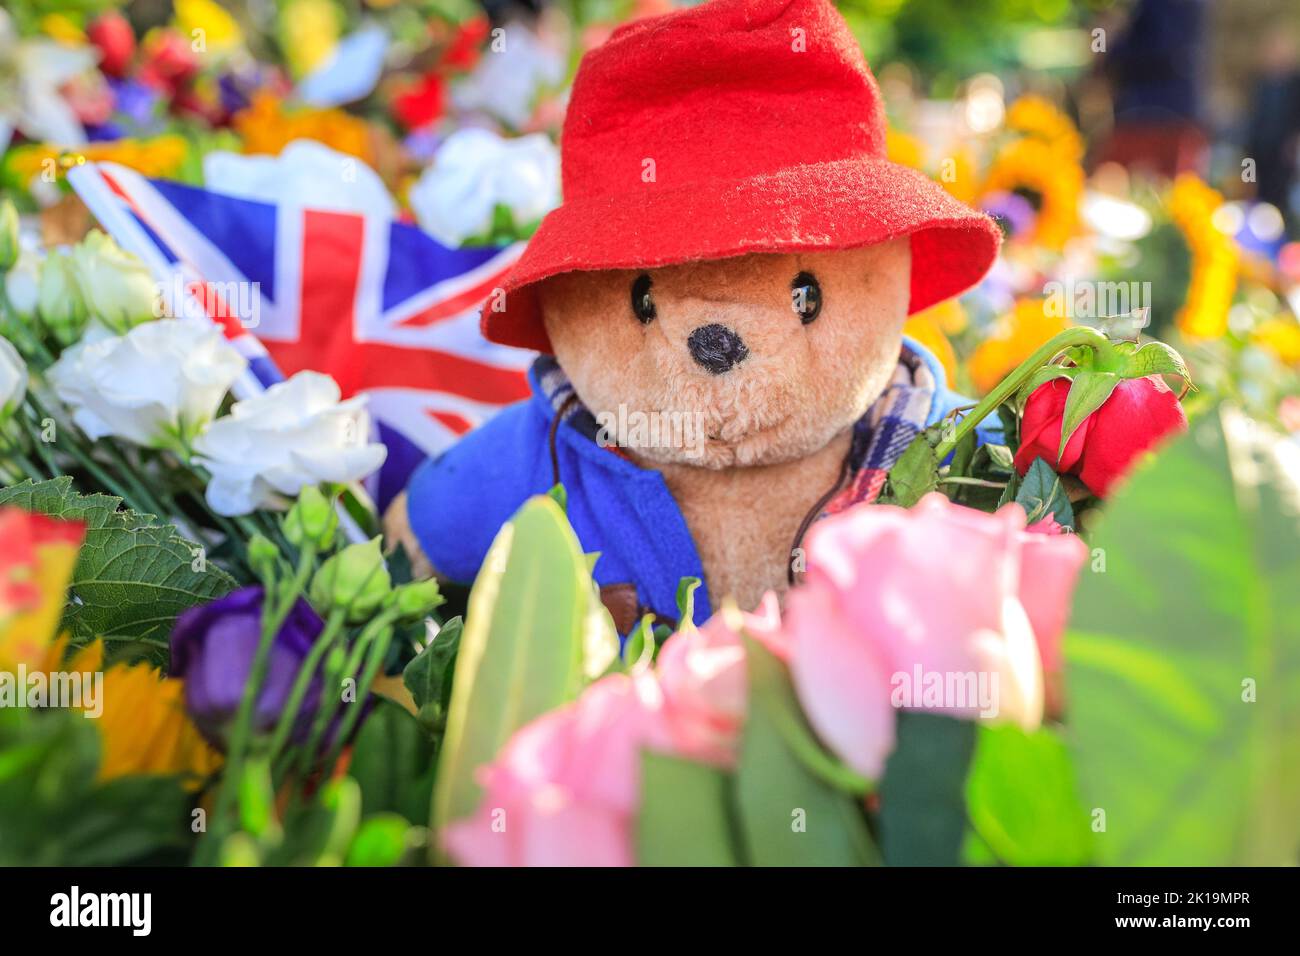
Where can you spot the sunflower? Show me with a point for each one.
(1038, 117)
(1051, 180)
(1215, 261)
(1015, 338)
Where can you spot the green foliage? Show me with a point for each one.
(521, 652)
(789, 816)
(393, 761)
(922, 793)
(429, 676)
(1022, 799)
(685, 817)
(134, 574)
(54, 812)
(915, 474)
(1041, 494)
(1183, 656)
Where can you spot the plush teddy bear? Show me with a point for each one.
(719, 304)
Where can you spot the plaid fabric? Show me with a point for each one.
(879, 436)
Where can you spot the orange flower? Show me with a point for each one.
(1215, 259)
(266, 127)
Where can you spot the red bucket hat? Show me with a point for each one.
(733, 127)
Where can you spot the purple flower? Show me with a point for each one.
(213, 647)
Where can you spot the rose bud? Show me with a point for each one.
(1136, 416)
(213, 647)
(112, 35)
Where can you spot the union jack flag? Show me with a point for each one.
(378, 304)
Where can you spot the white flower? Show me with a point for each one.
(23, 282)
(159, 384)
(474, 171)
(32, 72)
(296, 434)
(506, 81)
(13, 378)
(115, 285)
(306, 173)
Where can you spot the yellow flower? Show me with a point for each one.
(266, 127)
(1038, 116)
(1215, 259)
(59, 26)
(1036, 166)
(904, 149)
(204, 19)
(927, 328)
(309, 31)
(1281, 336)
(160, 157)
(144, 728)
(1027, 327)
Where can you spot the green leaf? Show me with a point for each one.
(1041, 493)
(394, 762)
(1191, 607)
(915, 474)
(1088, 392)
(428, 675)
(134, 573)
(1048, 373)
(382, 840)
(1156, 358)
(521, 652)
(789, 816)
(962, 456)
(1022, 798)
(922, 794)
(686, 600)
(685, 816)
(320, 833)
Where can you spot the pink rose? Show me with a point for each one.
(704, 683)
(565, 788)
(932, 608)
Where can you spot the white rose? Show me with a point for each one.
(306, 173)
(474, 171)
(296, 434)
(13, 378)
(116, 286)
(159, 384)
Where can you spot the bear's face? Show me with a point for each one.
(747, 361)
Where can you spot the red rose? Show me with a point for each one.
(169, 62)
(1138, 414)
(421, 104)
(112, 35)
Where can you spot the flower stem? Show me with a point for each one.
(1079, 335)
(275, 609)
(303, 681)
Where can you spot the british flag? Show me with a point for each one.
(378, 304)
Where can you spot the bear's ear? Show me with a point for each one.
(397, 530)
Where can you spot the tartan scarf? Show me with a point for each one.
(879, 436)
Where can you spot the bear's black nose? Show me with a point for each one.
(716, 348)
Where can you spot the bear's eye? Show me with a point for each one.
(806, 296)
(643, 306)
